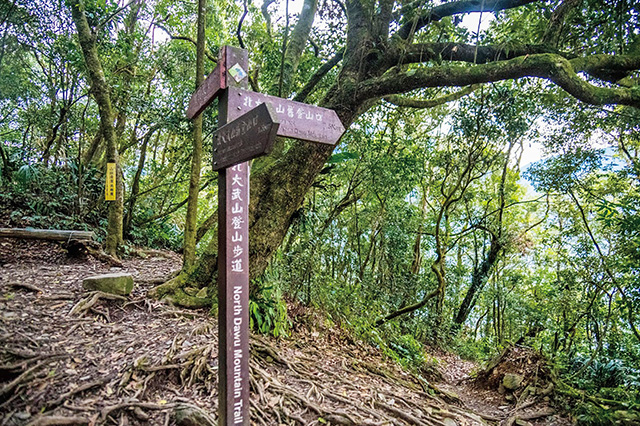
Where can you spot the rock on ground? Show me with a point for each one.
(117, 283)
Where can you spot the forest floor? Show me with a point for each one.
(140, 361)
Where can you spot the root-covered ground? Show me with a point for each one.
(72, 357)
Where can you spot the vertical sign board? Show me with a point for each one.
(110, 183)
(233, 291)
(233, 263)
(248, 125)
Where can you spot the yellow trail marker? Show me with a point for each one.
(110, 183)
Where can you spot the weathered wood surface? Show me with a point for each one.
(45, 234)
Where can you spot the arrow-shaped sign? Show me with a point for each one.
(207, 91)
(248, 136)
(297, 120)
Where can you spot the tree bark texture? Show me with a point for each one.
(478, 280)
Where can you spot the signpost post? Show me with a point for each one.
(248, 125)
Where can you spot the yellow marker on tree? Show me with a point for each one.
(110, 183)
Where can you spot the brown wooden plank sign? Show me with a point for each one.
(248, 125)
(297, 120)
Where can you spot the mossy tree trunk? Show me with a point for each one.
(100, 92)
(191, 225)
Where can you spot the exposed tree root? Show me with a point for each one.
(96, 251)
(25, 376)
(58, 420)
(173, 292)
(27, 286)
(149, 364)
(80, 389)
(382, 407)
(510, 421)
(88, 302)
(105, 412)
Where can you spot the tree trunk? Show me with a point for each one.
(295, 47)
(191, 225)
(100, 92)
(46, 155)
(208, 224)
(135, 185)
(93, 148)
(6, 164)
(478, 280)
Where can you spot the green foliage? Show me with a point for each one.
(607, 373)
(48, 197)
(407, 351)
(160, 234)
(560, 173)
(268, 311)
(590, 414)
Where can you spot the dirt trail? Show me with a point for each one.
(142, 362)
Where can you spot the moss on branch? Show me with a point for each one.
(553, 67)
(431, 103)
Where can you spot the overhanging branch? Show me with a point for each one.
(461, 52)
(430, 103)
(469, 53)
(549, 66)
(455, 8)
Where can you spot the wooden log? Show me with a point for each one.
(45, 234)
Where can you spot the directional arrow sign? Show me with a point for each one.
(246, 137)
(207, 91)
(297, 120)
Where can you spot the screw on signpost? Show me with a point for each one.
(248, 125)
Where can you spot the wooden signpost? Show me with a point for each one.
(247, 128)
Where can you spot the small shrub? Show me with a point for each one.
(268, 312)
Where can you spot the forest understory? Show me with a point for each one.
(72, 357)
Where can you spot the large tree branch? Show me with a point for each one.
(455, 8)
(461, 52)
(297, 43)
(113, 15)
(407, 309)
(266, 15)
(382, 20)
(430, 103)
(549, 66)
